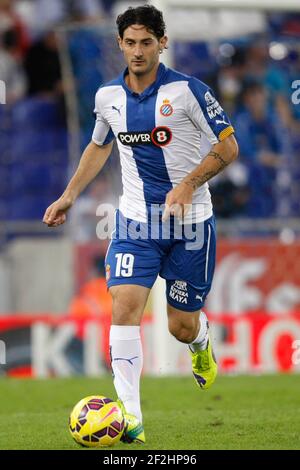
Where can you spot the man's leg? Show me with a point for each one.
(125, 343)
(192, 328)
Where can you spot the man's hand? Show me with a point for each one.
(56, 213)
(178, 201)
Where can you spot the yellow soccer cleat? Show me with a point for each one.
(134, 430)
(204, 365)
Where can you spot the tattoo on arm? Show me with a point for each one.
(218, 157)
(198, 181)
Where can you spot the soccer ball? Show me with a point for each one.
(96, 421)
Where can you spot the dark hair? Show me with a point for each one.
(250, 85)
(146, 15)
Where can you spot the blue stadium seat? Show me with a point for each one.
(33, 158)
(28, 207)
(36, 113)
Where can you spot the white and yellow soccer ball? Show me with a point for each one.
(96, 421)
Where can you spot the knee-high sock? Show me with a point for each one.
(200, 342)
(127, 362)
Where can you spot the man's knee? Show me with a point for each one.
(185, 333)
(183, 325)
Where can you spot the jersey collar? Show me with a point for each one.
(161, 72)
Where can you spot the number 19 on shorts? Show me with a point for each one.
(124, 267)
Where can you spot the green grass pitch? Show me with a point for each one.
(242, 412)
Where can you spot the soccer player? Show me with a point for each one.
(172, 136)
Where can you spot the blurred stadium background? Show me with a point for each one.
(54, 308)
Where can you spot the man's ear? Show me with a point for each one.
(163, 43)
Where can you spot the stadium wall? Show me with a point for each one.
(254, 309)
(37, 275)
(46, 346)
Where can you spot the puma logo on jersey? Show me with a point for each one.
(117, 109)
(218, 121)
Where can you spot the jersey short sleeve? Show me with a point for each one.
(102, 133)
(206, 113)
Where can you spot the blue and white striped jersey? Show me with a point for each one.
(162, 135)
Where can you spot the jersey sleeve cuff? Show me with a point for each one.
(225, 133)
(97, 142)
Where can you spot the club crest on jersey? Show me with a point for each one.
(159, 136)
(213, 107)
(209, 98)
(166, 108)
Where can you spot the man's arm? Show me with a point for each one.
(91, 162)
(221, 155)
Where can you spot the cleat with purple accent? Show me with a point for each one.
(204, 365)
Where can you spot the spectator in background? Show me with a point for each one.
(11, 24)
(230, 192)
(42, 66)
(44, 75)
(259, 67)
(14, 42)
(258, 129)
(227, 81)
(93, 297)
(11, 71)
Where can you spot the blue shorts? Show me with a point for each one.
(185, 257)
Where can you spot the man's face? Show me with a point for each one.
(141, 49)
(256, 101)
